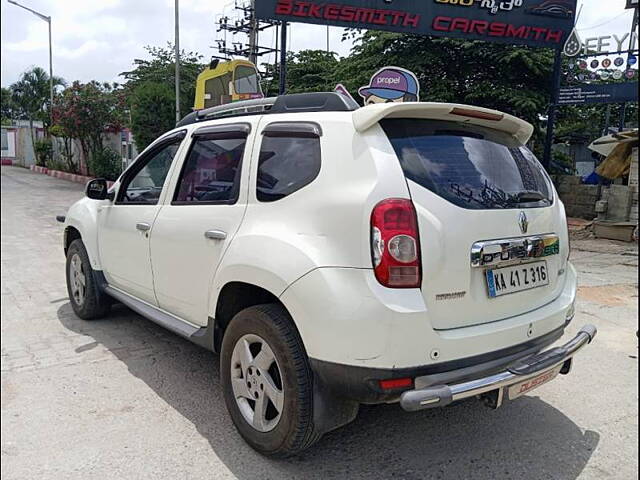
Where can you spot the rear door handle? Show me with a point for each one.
(215, 234)
(143, 227)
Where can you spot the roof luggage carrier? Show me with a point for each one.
(294, 103)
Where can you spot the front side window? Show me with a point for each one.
(211, 172)
(286, 164)
(246, 80)
(146, 185)
(470, 166)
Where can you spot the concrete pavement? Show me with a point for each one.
(123, 398)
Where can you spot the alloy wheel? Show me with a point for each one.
(256, 381)
(77, 279)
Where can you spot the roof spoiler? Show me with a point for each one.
(366, 117)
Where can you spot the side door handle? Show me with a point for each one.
(143, 227)
(215, 234)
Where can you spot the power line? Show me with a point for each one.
(603, 23)
(243, 22)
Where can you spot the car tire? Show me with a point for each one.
(87, 299)
(285, 424)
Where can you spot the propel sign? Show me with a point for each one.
(543, 23)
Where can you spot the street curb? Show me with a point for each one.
(72, 177)
(38, 169)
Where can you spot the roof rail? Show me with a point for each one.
(245, 107)
(294, 103)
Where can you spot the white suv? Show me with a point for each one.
(337, 256)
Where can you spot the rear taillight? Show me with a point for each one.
(395, 244)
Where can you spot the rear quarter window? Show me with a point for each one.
(286, 164)
(472, 167)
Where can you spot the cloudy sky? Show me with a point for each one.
(98, 39)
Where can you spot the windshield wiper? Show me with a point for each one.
(527, 196)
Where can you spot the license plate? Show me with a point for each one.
(502, 281)
(523, 387)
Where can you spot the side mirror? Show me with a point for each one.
(97, 189)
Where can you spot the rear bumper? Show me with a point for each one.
(362, 384)
(515, 373)
(345, 317)
(449, 381)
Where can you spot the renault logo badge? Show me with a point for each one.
(523, 222)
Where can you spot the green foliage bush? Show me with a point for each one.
(67, 164)
(44, 152)
(106, 163)
(57, 164)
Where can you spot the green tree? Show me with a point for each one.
(86, 112)
(591, 120)
(7, 106)
(31, 96)
(513, 79)
(307, 71)
(152, 112)
(160, 69)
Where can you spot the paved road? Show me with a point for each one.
(122, 398)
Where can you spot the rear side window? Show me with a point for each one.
(286, 164)
(211, 172)
(470, 166)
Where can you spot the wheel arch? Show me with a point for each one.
(82, 223)
(71, 233)
(329, 410)
(234, 297)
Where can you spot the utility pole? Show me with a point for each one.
(177, 46)
(48, 20)
(253, 34)
(248, 25)
(283, 58)
(50, 73)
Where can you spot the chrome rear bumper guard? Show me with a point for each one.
(520, 371)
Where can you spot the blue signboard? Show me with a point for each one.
(542, 23)
(602, 93)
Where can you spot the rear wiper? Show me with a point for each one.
(527, 196)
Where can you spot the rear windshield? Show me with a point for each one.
(472, 167)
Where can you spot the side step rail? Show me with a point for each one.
(198, 335)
